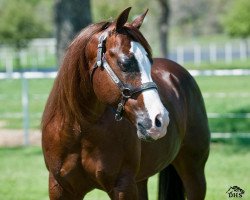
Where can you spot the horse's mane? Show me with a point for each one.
(68, 99)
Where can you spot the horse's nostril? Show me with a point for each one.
(140, 125)
(158, 122)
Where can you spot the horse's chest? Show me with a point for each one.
(107, 151)
(102, 162)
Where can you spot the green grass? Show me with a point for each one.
(227, 84)
(10, 101)
(228, 165)
(24, 176)
(232, 86)
(211, 87)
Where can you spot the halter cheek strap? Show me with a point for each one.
(101, 50)
(125, 91)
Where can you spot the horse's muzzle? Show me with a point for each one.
(153, 129)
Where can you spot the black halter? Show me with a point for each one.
(125, 91)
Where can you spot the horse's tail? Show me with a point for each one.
(170, 185)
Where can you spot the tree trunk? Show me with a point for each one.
(70, 16)
(163, 26)
(247, 47)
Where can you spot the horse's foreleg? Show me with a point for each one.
(57, 192)
(143, 190)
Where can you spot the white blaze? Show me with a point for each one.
(151, 97)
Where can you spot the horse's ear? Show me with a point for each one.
(139, 20)
(122, 19)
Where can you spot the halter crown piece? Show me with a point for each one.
(125, 91)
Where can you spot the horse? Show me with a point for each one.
(116, 116)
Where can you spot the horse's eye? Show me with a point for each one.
(128, 65)
(122, 64)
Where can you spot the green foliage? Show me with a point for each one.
(236, 21)
(22, 20)
(197, 17)
(110, 9)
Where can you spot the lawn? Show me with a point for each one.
(24, 176)
(224, 94)
(227, 94)
(11, 101)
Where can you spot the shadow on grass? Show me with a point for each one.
(234, 145)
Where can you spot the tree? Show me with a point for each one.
(163, 24)
(20, 22)
(237, 18)
(189, 15)
(70, 17)
(109, 9)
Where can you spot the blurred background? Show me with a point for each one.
(210, 38)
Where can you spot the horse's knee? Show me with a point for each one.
(124, 189)
(57, 191)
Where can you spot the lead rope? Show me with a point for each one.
(120, 109)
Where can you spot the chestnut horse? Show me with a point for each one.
(109, 100)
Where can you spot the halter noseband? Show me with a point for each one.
(125, 91)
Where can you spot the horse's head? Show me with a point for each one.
(121, 76)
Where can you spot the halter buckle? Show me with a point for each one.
(126, 93)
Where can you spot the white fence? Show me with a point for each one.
(212, 53)
(41, 52)
(37, 75)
